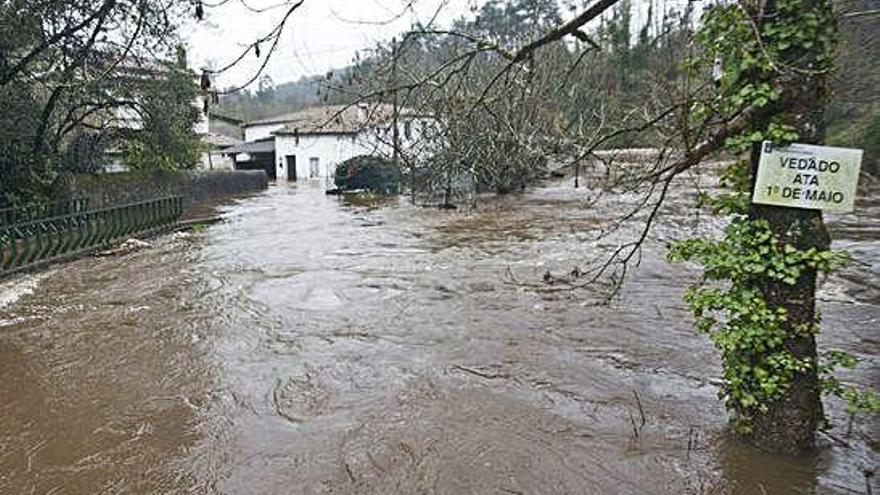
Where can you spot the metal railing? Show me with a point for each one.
(34, 241)
(36, 211)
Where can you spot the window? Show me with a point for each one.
(407, 130)
(314, 167)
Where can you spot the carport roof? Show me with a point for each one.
(252, 147)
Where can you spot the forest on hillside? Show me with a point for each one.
(269, 99)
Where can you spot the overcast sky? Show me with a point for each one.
(323, 34)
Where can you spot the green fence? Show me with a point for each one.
(33, 239)
(37, 211)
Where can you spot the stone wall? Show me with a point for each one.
(196, 187)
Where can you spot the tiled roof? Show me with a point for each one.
(262, 146)
(220, 141)
(334, 119)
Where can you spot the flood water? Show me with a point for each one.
(311, 344)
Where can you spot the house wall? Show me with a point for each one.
(329, 149)
(203, 124)
(260, 131)
(216, 160)
(333, 149)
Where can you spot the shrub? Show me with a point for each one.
(372, 173)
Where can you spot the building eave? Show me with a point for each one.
(282, 132)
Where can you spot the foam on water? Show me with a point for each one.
(11, 291)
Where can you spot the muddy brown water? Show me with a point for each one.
(311, 344)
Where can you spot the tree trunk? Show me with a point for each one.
(790, 424)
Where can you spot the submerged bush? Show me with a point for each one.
(372, 173)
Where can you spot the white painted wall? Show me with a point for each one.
(203, 125)
(216, 161)
(260, 131)
(333, 149)
(129, 118)
(329, 149)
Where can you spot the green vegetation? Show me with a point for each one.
(752, 335)
(76, 85)
(853, 111)
(167, 140)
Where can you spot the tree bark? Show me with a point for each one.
(790, 424)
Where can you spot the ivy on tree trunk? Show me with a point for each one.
(790, 423)
(757, 301)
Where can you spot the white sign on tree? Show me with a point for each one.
(807, 176)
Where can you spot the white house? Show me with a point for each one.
(216, 132)
(257, 130)
(314, 141)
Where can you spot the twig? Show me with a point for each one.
(632, 420)
(641, 410)
(348, 471)
(835, 438)
(482, 374)
(690, 443)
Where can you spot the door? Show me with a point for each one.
(314, 167)
(291, 167)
